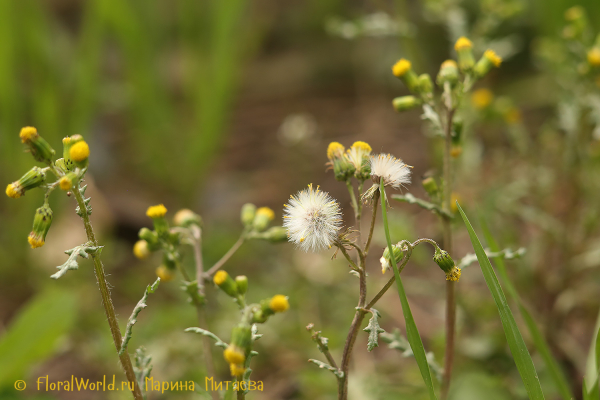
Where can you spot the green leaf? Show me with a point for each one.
(142, 367)
(409, 198)
(211, 335)
(83, 251)
(412, 333)
(558, 377)
(593, 363)
(513, 335)
(33, 334)
(321, 364)
(136, 310)
(506, 254)
(374, 330)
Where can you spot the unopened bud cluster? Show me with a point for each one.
(450, 75)
(68, 172)
(237, 352)
(164, 237)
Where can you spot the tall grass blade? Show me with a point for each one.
(513, 335)
(412, 333)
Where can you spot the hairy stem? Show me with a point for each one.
(106, 299)
(373, 217)
(359, 316)
(200, 310)
(226, 257)
(447, 244)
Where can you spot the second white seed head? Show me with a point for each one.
(394, 172)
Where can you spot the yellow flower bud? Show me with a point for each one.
(41, 225)
(164, 273)
(234, 355)
(157, 211)
(403, 70)
(141, 249)
(279, 303)
(335, 150)
(79, 152)
(40, 149)
(482, 98)
(463, 43)
(593, 57)
(263, 217)
(401, 67)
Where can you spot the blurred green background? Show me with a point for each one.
(210, 104)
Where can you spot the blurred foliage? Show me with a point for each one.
(155, 88)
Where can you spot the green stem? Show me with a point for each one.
(200, 308)
(412, 331)
(447, 244)
(227, 256)
(373, 217)
(106, 299)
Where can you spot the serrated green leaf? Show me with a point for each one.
(321, 364)
(136, 310)
(409, 198)
(558, 377)
(83, 250)
(211, 335)
(412, 332)
(374, 330)
(514, 338)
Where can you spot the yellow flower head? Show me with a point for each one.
(12, 190)
(493, 57)
(80, 151)
(401, 67)
(164, 273)
(220, 277)
(27, 134)
(35, 240)
(236, 369)
(234, 355)
(157, 211)
(266, 212)
(593, 57)
(361, 146)
(482, 98)
(65, 183)
(279, 303)
(454, 274)
(335, 150)
(463, 43)
(141, 250)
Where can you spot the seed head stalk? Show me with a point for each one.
(106, 298)
(447, 244)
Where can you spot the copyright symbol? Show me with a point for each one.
(20, 385)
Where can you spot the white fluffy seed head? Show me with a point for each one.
(393, 171)
(312, 219)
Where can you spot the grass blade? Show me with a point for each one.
(513, 335)
(412, 333)
(556, 373)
